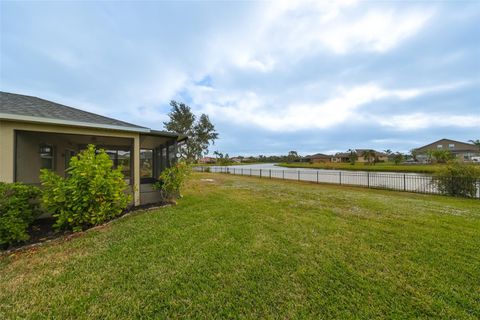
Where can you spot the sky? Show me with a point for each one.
(309, 76)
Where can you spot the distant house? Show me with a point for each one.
(237, 159)
(207, 160)
(461, 150)
(317, 158)
(345, 156)
(341, 157)
(379, 156)
(39, 134)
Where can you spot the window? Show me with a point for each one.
(121, 157)
(172, 157)
(439, 146)
(451, 145)
(46, 157)
(146, 163)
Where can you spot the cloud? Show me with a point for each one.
(416, 121)
(309, 75)
(376, 31)
(292, 30)
(250, 108)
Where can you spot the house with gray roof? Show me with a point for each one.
(361, 158)
(317, 158)
(37, 134)
(462, 151)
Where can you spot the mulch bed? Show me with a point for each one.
(42, 230)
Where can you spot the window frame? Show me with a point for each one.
(151, 179)
(50, 157)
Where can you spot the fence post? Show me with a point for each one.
(368, 179)
(241, 171)
(298, 172)
(260, 173)
(317, 176)
(404, 182)
(250, 172)
(234, 172)
(283, 174)
(270, 173)
(340, 176)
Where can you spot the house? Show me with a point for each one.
(379, 156)
(207, 160)
(36, 134)
(345, 156)
(341, 157)
(317, 158)
(461, 150)
(237, 159)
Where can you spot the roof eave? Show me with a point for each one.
(15, 117)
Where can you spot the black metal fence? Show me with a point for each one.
(410, 182)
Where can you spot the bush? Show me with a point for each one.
(93, 192)
(19, 207)
(457, 179)
(440, 156)
(172, 179)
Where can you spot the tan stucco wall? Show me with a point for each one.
(6, 152)
(7, 129)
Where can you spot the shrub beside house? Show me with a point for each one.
(92, 193)
(80, 188)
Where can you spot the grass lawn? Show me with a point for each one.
(240, 247)
(387, 166)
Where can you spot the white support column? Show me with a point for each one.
(136, 170)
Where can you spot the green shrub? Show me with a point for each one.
(206, 169)
(172, 179)
(458, 179)
(440, 156)
(93, 192)
(19, 206)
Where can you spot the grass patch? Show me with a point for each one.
(380, 167)
(240, 247)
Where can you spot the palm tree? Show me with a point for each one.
(352, 158)
(370, 155)
(414, 154)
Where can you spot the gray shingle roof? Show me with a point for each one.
(318, 155)
(22, 105)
